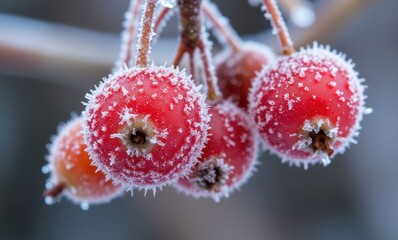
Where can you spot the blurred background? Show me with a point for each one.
(53, 52)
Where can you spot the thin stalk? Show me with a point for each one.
(55, 191)
(222, 25)
(163, 12)
(146, 34)
(275, 16)
(213, 92)
(193, 37)
(135, 11)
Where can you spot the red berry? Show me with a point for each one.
(236, 69)
(229, 156)
(146, 126)
(308, 105)
(72, 172)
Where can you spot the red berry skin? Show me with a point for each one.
(146, 127)
(309, 91)
(71, 166)
(231, 151)
(236, 70)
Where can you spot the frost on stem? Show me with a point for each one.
(222, 29)
(190, 22)
(162, 16)
(146, 34)
(168, 3)
(194, 37)
(129, 35)
(213, 92)
(279, 27)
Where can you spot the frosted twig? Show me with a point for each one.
(129, 35)
(193, 36)
(180, 53)
(279, 26)
(146, 34)
(190, 28)
(221, 25)
(213, 92)
(161, 16)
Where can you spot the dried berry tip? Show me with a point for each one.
(320, 141)
(211, 177)
(55, 191)
(138, 138)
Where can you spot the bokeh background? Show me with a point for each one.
(53, 52)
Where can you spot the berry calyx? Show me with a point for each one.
(146, 126)
(229, 156)
(308, 105)
(72, 172)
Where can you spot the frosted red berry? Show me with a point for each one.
(71, 169)
(308, 105)
(236, 69)
(229, 156)
(146, 127)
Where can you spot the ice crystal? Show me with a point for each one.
(168, 3)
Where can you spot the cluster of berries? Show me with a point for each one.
(146, 126)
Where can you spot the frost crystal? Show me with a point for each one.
(168, 3)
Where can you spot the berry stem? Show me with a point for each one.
(192, 38)
(129, 34)
(146, 34)
(55, 191)
(180, 53)
(222, 26)
(275, 16)
(190, 23)
(192, 67)
(213, 92)
(163, 12)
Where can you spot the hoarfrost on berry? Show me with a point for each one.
(332, 104)
(229, 156)
(142, 132)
